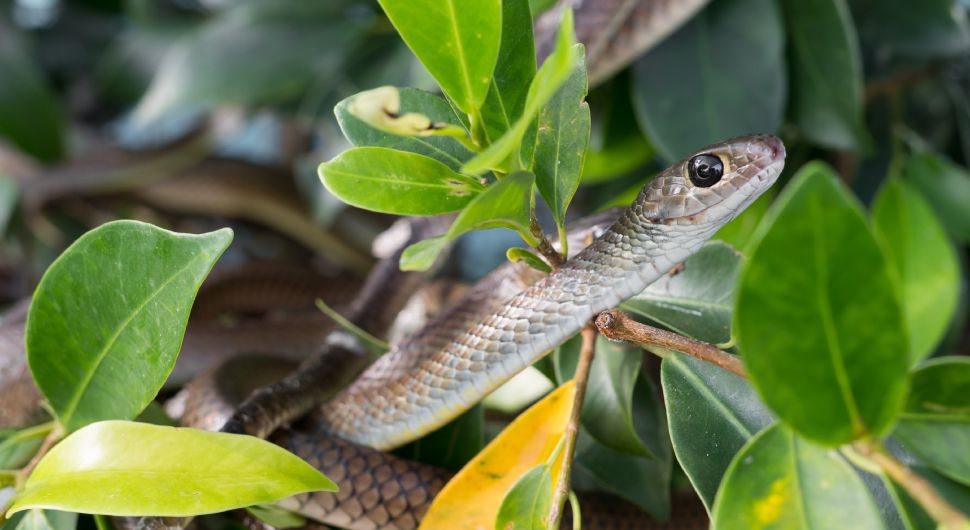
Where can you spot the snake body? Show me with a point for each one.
(430, 380)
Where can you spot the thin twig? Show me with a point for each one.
(56, 434)
(617, 325)
(544, 247)
(561, 492)
(948, 517)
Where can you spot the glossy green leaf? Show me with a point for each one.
(947, 188)
(527, 504)
(547, 81)
(937, 28)
(941, 441)
(296, 44)
(610, 398)
(444, 149)
(781, 481)
(127, 468)
(42, 520)
(456, 40)
(107, 318)
(17, 447)
(698, 299)
(561, 144)
(643, 481)
(924, 260)
(398, 182)
(514, 71)
(818, 319)
(941, 386)
(826, 73)
(712, 413)
(507, 203)
(30, 116)
(450, 446)
(719, 76)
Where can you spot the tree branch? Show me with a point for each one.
(544, 247)
(948, 517)
(617, 325)
(561, 491)
(56, 434)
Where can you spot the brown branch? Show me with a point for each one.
(617, 325)
(56, 434)
(544, 247)
(948, 517)
(561, 492)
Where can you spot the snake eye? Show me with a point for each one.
(705, 170)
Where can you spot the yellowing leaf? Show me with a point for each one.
(471, 500)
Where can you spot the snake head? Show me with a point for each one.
(714, 184)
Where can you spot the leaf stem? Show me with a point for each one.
(343, 322)
(617, 325)
(920, 489)
(562, 489)
(543, 246)
(56, 434)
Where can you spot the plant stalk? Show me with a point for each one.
(617, 325)
(920, 489)
(56, 435)
(561, 490)
(544, 247)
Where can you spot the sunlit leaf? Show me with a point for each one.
(390, 181)
(127, 468)
(471, 500)
(721, 75)
(457, 41)
(444, 149)
(698, 299)
(924, 260)
(108, 317)
(713, 413)
(507, 203)
(526, 506)
(781, 481)
(818, 320)
(547, 81)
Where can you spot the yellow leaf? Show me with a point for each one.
(470, 501)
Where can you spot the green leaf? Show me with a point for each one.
(781, 481)
(924, 261)
(277, 517)
(937, 28)
(712, 413)
(941, 441)
(107, 319)
(941, 386)
(42, 520)
(507, 203)
(547, 81)
(947, 188)
(444, 149)
(912, 513)
(128, 469)
(514, 71)
(30, 116)
(297, 43)
(561, 144)
(457, 41)
(936, 424)
(826, 73)
(9, 195)
(527, 504)
(451, 446)
(610, 398)
(818, 319)
(516, 255)
(698, 299)
(19, 446)
(719, 76)
(398, 182)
